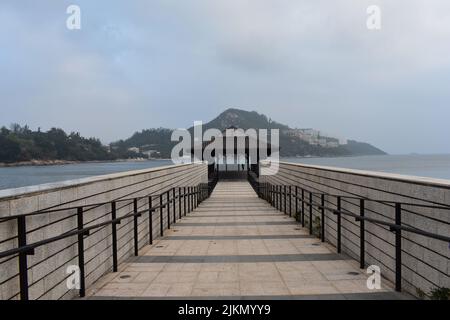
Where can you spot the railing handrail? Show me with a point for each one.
(442, 207)
(277, 194)
(357, 217)
(193, 194)
(44, 211)
(84, 231)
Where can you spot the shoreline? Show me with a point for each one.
(40, 163)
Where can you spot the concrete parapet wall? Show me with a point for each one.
(426, 262)
(47, 267)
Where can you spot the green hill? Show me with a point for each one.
(22, 144)
(159, 139)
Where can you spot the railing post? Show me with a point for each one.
(338, 217)
(285, 199)
(196, 196)
(161, 218)
(322, 213)
(275, 195)
(279, 198)
(290, 201)
(179, 202)
(150, 220)
(272, 197)
(296, 204)
(303, 207)
(193, 198)
(135, 227)
(189, 199)
(174, 205)
(184, 199)
(310, 212)
(82, 291)
(23, 264)
(114, 235)
(168, 208)
(398, 248)
(362, 262)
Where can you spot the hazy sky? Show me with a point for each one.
(141, 64)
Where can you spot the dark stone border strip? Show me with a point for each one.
(388, 295)
(206, 209)
(235, 215)
(239, 258)
(212, 224)
(249, 237)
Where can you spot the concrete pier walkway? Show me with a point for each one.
(236, 246)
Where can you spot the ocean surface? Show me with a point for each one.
(431, 166)
(14, 177)
(434, 166)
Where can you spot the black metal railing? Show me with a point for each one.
(181, 200)
(300, 200)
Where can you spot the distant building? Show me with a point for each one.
(313, 137)
(151, 153)
(332, 144)
(133, 149)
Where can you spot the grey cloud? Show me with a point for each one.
(166, 63)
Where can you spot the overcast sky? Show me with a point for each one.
(142, 64)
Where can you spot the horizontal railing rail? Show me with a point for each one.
(98, 204)
(282, 196)
(181, 200)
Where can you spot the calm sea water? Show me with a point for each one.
(14, 177)
(435, 166)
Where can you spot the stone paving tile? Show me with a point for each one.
(236, 246)
(311, 288)
(156, 290)
(146, 276)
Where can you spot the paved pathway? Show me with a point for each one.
(236, 246)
